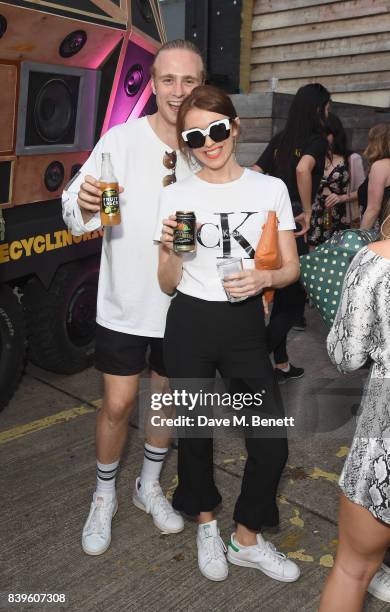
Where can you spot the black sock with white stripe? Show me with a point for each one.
(106, 476)
(153, 462)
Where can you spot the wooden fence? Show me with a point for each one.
(344, 44)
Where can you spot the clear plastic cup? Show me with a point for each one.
(225, 267)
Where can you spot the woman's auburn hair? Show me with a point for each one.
(378, 143)
(203, 97)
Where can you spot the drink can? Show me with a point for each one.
(184, 233)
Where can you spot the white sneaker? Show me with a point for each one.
(152, 500)
(96, 536)
(211, 552)
(265, 557)
(379, 586)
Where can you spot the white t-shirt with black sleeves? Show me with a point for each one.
(229, 218)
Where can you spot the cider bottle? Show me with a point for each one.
(110, 213)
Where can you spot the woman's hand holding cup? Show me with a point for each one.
(248, 282)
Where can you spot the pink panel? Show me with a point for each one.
(131, 90)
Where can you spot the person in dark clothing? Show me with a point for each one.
(334, 206)
(297, 156)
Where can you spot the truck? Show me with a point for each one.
(70, 70)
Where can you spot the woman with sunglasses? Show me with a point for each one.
(205, 332)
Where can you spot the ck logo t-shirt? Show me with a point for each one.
(229, 218)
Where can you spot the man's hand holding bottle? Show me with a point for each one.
(89, 197)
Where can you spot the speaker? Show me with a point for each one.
(57, 109)
(8, 89)
(36, 36)
(142, 18)
(132, 90)
(48, 111)
(43, 177)
(104, 12)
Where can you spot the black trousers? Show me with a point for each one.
(202, 337)
(288, 308)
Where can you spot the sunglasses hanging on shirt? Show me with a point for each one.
(217, 130)
(169, 161)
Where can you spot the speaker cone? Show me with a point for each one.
(53, 110)
(54, 175)
(3, 25)
(73, 43)
(145, 10)
(74, 170)
(133, 80)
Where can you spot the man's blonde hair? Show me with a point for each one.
(183, 45)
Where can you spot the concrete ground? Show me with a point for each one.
(48, 472)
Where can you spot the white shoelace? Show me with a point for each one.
(279, 556)
(215, 547)
(98, 520)
(156, 502)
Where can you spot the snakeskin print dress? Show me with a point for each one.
(361, 330)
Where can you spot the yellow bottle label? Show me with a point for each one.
(110, 201)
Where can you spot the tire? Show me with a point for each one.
(12, 344)
(61, 320)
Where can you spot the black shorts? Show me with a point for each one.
(126, 354)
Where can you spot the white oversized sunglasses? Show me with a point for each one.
(217, 130)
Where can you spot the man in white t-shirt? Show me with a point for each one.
(131, 309)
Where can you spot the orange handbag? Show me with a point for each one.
(267, 255)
